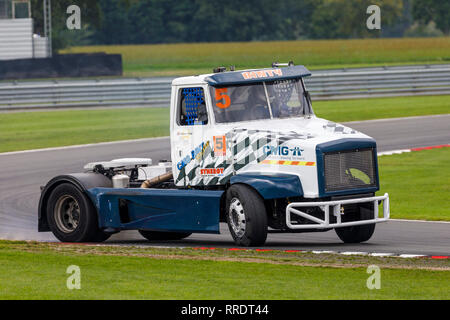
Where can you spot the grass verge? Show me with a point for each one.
(38, 271)
(381, 108)
(417, 183)
(33, 130)
(196, 58)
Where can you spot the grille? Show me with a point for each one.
(352, 169)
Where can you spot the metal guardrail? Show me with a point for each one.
(155, 92)
(378, 82)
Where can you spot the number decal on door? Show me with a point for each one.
(219, 146)
(221, 94)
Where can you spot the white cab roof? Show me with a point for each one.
(191, 80)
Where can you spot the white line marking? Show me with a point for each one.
(388, 153)
(353, 253)
(381, 254)
(320, 252)
(411, 255)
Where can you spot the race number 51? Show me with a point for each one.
(219, 146)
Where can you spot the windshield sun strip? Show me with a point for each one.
(310, 109)
(268, 100)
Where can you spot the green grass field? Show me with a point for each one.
(418, 184)
(195, 58)
(381, 108)
(38, 271)
(32, 130)
(29, 130)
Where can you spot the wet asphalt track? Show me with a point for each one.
(21, 175)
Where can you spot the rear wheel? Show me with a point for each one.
(246, 216)
(160, 235)
(72, 217)
(357, 234)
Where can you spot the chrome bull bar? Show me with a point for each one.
(334, 207)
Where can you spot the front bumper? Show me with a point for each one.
(334, 207)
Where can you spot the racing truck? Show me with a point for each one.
(246, 149)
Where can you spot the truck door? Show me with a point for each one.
(189, 139)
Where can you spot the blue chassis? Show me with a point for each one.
(157, 209)
(194, 211)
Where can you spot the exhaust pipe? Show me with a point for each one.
(159, 179)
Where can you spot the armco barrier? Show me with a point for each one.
(155, 92)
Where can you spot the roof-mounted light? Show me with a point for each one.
(219, 69)
(277, 64)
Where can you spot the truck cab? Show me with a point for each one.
(246, 149)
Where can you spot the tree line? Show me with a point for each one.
(172, 21)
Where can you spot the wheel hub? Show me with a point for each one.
(67, 214)
(236, 216)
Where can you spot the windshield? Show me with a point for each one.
(259, 101)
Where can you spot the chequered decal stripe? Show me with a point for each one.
(245, 155)
(336, 128)
(288, 163)
(285, 136)
(241, 145)
(181, 175)
(246, 147)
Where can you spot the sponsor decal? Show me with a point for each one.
(212, 171)
(199, 152)
(220, 149)
(184, 135)
(283, 151)
(289, 163)
(262, 74)
(196, 154)
(183, 163)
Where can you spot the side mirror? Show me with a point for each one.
(202, 114)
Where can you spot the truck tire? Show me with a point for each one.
(72, 217)
(160, 235)
(357, 234)
(246, 216)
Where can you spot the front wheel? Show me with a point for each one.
(72, 217)
(357, 234)
(246, 216)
